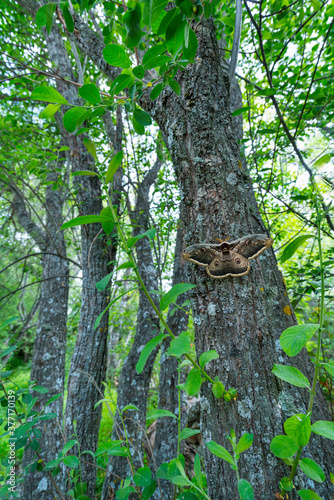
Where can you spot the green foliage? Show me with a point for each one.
(171, 296)
(291, 375)
(294, 338)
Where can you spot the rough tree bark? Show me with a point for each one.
(133, 387)
(48, 360)
(165, 444)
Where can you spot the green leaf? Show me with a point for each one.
(324, 428)
(122, 82)
(266, 92)
(8, 351)
(245, 490)
(131, 22)
(113, 166)
(84, 172)
(51, 465)
(174, 85)
(75, 117)
(47, 94)
(129, 407)
(283, 446)
(116, 56)
(193, 382)
(329, 367)
(44, 16)
(308, 495)
(68, 446)
(244, 443)
(143, 476)
(186, 6)
(171, 296)
(208, 356)
(180, 481)
(52, 399)
(8, 321)
(286, 484)
(166, 21)
(149, 490)
(180, 345)
(152, 53)
(139, 129)
(40, 389)
(107, 226)
(91, 93)
(68, 19)
(126, 265)
(154, 414)
(218, 389)
(150, 346)
(323, 160)
(142, 117)
(312, 470)
(90, 147)
(220, 452)
(118, 451)
(138, 71)
(240, 111)
(49, 111)
(71, 461)
(156, 62)
(150, 233)
(156, 91)
(103, 283)
(207, 10)
(187, 495)
(175, 33)
(291, 375)
(124, 493)
(294, 338)
(190, 51)
(46, 416)
(186, 433)
(293, 246)
(298, 428)
(151, 15)
(99, 318)
(85, 219)
(197, 469)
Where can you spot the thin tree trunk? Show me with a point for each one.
(241, 318)
(133, 387)
(165, 444)
(48, 361)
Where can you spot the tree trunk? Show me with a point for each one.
(48, 361)
(165, 444)
(242, 318)
(133, 387)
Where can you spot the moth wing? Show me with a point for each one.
(235, 267)
(201, 254)
(252, 245)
